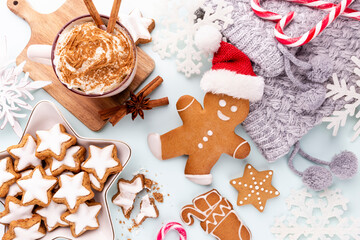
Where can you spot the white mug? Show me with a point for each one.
(45, 54)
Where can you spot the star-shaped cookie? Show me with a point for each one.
(36, 187)
(15, 210)
(85, 218)
(138, 26)
(24, 154)
(26, 229)
(254, 187)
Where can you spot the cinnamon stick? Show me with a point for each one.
(113, 16)
(158, 102)
(109, 112)
(94, 14)
(117, 116)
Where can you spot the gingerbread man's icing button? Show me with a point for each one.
(200, 145)
(210, 133)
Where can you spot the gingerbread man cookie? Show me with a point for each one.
(254, 187)
(24, 154)
(217, 217)
(206, 134)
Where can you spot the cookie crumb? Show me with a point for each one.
(159, 197)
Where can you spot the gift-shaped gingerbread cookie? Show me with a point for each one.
(217, 217)
(208, 132)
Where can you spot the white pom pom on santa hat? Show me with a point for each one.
(208, 38)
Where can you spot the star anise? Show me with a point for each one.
(136, 104)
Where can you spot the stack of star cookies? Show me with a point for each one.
(48, 182)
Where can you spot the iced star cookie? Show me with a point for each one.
(14, 189)
(7, 175)
(138, 26)
(24, 154)
(127, 191)
(102, 162)
(53, 142)
(51, 215)
(29, 229)
(15, 210)
(73, 190)
(254, 188)
(71, 162)
(148, 209)
(85, 218)
(95, 184)
(36, 187)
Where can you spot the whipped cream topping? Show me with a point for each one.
(93, 61)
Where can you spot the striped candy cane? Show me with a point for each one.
(314, 32)
(172, 226)
(318, 4)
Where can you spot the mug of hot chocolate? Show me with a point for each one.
(88, 60)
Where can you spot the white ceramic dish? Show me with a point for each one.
(43, 117)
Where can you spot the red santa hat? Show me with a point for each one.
(231, 72)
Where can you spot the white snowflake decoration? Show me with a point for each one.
(14, 90)
(176, 36)
(317, 216)
(338, 90)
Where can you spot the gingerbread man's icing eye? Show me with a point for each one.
(233, 108)
(222, 103)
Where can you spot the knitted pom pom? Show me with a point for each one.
(208, 38)
(344, 165)
(322, 68)
(317, 178)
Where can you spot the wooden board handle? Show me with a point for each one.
(23, 9)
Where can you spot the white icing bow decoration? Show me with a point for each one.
(14, 90)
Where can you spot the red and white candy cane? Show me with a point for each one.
(172, 226)
(318, 4)
(314, 32)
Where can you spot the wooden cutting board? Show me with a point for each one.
(44, 28)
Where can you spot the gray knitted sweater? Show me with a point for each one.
(288, 111)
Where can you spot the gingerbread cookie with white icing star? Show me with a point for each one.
(51, 215)
(139, 27)
(24, 154)
(84, 219)
(15, 210)
(36, 187)
(7, 175)
(127, 192)
(102, 162)
(74, 156)
(53, 142)
(74, 190)
(31, 229)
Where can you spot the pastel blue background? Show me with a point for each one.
(169, 174)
